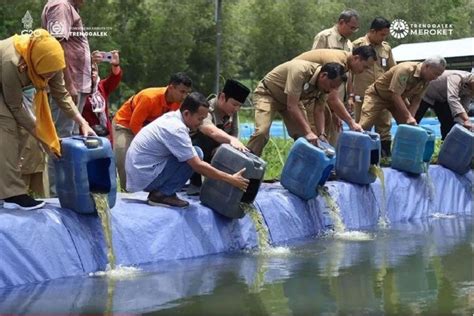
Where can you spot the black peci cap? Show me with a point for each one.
(235, 90)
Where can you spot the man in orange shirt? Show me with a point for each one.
(143, 108)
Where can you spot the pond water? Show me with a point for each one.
(416, 268)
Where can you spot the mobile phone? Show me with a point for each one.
(106, 57)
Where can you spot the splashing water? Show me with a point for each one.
(334, 210)
(114, 275)
(339, 227)
(429, 181)
(260, 226)
(118, 273)
(354, 236)
(441, 215)
(378, 172)
(102, 206)
(277, 251)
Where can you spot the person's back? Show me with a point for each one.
(152, 147)
(438, 89)
(400, 90)
(142, 109)
(449, 96)
(408, 81)
(325, 55)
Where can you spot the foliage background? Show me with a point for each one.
(159, 37)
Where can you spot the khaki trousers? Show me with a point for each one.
(11, 183)
(382, 123)
(122, 139)
(375, 111)
(266, 108)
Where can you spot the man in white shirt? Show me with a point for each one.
(161, 157)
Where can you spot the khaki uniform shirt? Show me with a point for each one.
(297, 78)
(403, 79)
(384, 62)
(330, 38)
(216, 117)
(12, 82)
(451, 87)
(324, 56)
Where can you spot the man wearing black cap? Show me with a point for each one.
(220, 127)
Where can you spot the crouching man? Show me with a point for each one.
(161, 157)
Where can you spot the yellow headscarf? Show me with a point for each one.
(42, 54)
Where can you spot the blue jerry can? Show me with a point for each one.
(413, 146)
(224, 198)
(307, 167)
(87, 165)
(457, 151)
(355, 153)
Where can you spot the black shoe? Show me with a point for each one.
(22, 202)
(156, 198)
(193, 190)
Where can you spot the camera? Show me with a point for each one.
(106, 57)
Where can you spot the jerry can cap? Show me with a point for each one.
(327, 149)
(329, 152)
(91, 142)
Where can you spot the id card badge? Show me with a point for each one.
(384, 62)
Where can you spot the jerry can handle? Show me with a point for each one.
(328, 150)
(89, 141)
(257, 161)
(371, 134)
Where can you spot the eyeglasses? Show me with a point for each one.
(354, 28)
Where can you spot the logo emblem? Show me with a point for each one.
(56, 29)
(27, 20)
(399, 28)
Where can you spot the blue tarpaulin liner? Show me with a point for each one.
(53, 243)
(163, 285)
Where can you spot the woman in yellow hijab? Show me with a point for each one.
(38, 60)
